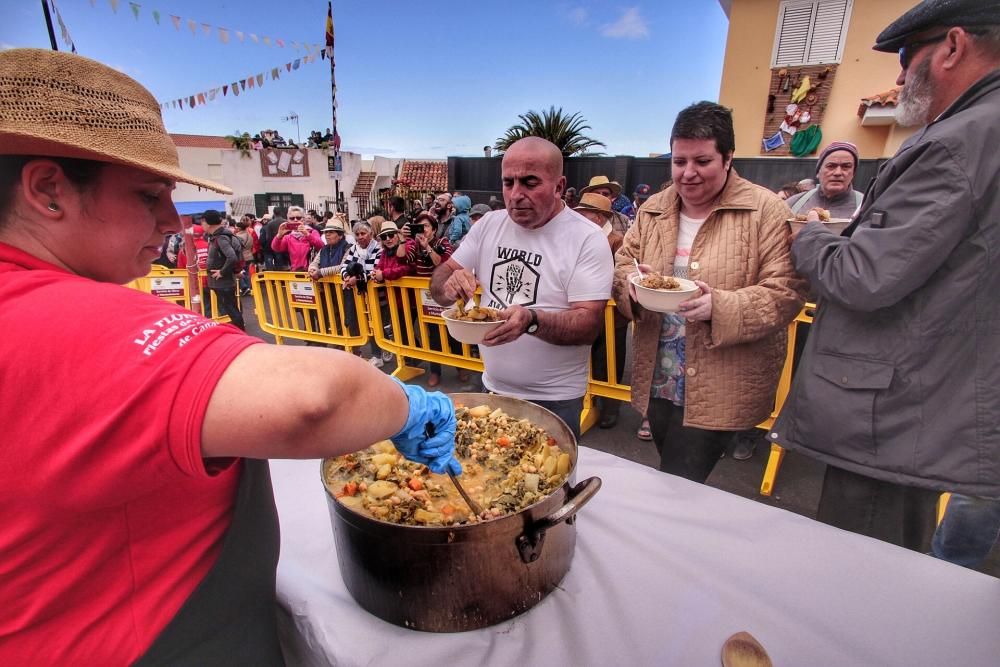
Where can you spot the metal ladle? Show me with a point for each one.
(473, 505)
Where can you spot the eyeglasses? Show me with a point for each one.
(387, 235)
(295, 217)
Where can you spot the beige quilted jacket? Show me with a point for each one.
(742, 253)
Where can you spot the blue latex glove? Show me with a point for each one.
(428, 436)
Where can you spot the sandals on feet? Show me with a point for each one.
(644, 433)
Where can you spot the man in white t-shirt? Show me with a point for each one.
(547, 268)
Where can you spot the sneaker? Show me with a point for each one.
(376, 362)
(746, 444)
(387, 356)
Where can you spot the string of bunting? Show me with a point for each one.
(207, 29)
(62, 27)
(240, 86)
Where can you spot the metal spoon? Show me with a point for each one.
(636, 262)
(476, 509)
(743, 650)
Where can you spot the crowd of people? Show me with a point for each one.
(140, 524)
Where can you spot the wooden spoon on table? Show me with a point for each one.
(743, 650)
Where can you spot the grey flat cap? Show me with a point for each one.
(931, 13)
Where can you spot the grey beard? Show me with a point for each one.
(915, 99)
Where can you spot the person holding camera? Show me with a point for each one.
(297, 239)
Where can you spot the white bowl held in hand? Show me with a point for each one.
(467, 331)
(664, 301)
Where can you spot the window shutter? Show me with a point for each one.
(810, 32)
(827, 30)
(793, 34)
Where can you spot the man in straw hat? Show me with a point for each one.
(139, 525)
(597, 209)
(621, 207)
(897, 391)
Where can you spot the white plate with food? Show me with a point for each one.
(471, 325)
(663, 294)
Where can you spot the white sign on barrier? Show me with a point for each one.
(167, 287)
(429, 305)
(303, 293)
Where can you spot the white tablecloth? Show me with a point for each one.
(664, 571)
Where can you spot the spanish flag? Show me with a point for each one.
(329, 29)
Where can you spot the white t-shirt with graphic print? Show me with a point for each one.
(565, 261)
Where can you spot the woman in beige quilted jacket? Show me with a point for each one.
(713, 367)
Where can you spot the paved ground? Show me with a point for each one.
(797, 486)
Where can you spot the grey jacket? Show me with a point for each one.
(900, 379)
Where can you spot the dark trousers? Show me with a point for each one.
(568, 410)
(687, 452)
(894, 513)
(226, 298)
(599, 364)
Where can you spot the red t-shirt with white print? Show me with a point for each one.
(110, 518)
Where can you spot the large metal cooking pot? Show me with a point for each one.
(452, 579)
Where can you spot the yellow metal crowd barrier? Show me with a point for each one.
(400, 317)
(172, 285)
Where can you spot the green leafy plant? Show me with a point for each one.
(565, 131)
(241, 142)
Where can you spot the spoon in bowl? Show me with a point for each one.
(636, 262)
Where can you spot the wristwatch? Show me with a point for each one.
(533, 323)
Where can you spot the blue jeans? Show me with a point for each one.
(968, 530)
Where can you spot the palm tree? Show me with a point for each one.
(564, 131)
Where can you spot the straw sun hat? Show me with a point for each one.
(56, 104)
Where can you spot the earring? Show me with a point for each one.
(54, 207)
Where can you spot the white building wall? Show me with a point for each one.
(243, 175)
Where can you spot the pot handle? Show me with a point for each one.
(529, 543)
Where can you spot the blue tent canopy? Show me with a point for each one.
(195, 207)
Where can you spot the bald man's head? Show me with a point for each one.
(533, 182)
(542, 151)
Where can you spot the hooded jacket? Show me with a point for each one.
(900, 378)
(461, 223)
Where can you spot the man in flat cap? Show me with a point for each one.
(899, 388)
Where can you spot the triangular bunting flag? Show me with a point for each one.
(176, 20)
(174, 104)
(243, 84)
(207, 29)
(212, 93)
(114, 5)
(201, 98)
(254, 38)
(250, 82)
(280, 42)
(236, 88)
(191, 101)
(180, 104)
(239, 36)
(194, 27)
(266, 40)
(322, 55)
(295, 65)
(288, 67)
(135, 9)
(274, 73)
(295, 45)
(156, 16)
(260, 80)
(225, 89)
(224, 35)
